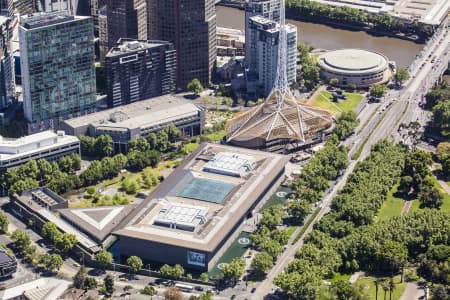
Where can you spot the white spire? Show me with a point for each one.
(281, 86)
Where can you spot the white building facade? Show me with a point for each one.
(48, 145)
(263, 54)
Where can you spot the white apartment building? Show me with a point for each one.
(263, 53)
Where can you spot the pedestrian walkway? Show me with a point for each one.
(406, 207)
(412, 292)
(355, 277)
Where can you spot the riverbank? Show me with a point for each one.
(239, 4)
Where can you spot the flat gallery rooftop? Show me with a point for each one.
(202, 201)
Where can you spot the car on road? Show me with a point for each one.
(253, 290)
(199, 288)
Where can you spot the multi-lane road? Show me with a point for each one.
(400, 106)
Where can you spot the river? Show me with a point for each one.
(326, 37)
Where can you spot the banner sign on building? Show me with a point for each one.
(196, 259)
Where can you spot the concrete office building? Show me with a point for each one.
(262, 59)
(138, 70)
(355, 66)
(7, 87)
(57, 65)
(127, 122)
(191, 27)
(190, 218)
(47, 145)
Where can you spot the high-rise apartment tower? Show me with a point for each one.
(57, 64)
(138, 70)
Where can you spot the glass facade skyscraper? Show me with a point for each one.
(57, 63)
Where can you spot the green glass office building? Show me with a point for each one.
(58, 73)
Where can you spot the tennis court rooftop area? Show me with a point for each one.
(195, 210)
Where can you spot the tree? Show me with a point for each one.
(204, 277)
(173, 293)
(440, 293)
(392, 256)
(406, 184)
(272, 217)
(162, 142)
(139, 144)
(300, 286)
(45, 169)
(431, 198)
(377, 283)
(51, 262)
(108, 284)
(261, 263)
(441, 117)
(234, 270)
(299, 209)
(391, 287)
(346, 124)
(149, 291)
(80, 278)
(377, 90)
(195, 86)
(272, 247)
(21, 185)
(130, 186)
(172, 132)
(30, 252)
(385, 286)
(177, 271)
(206, 296)
(135, 263)
(87, 145)
(90, 283)
(50, 231)
(352, 87)
(4, 222)
(342, 289)
(443, 156)
(103, 145)
(103, 258)
(443, 151)
(334, 82)
(174, 272)
(21, 240)
(401, 75)
(65, 242)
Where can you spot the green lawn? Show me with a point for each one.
(324, 100)
(236, 249)
(216, 136)
(392, 206)
(339, 276)
(116, 182)
(291, 230)
(445, 206)
(399, 288)
(190, 147)
(275, 199)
